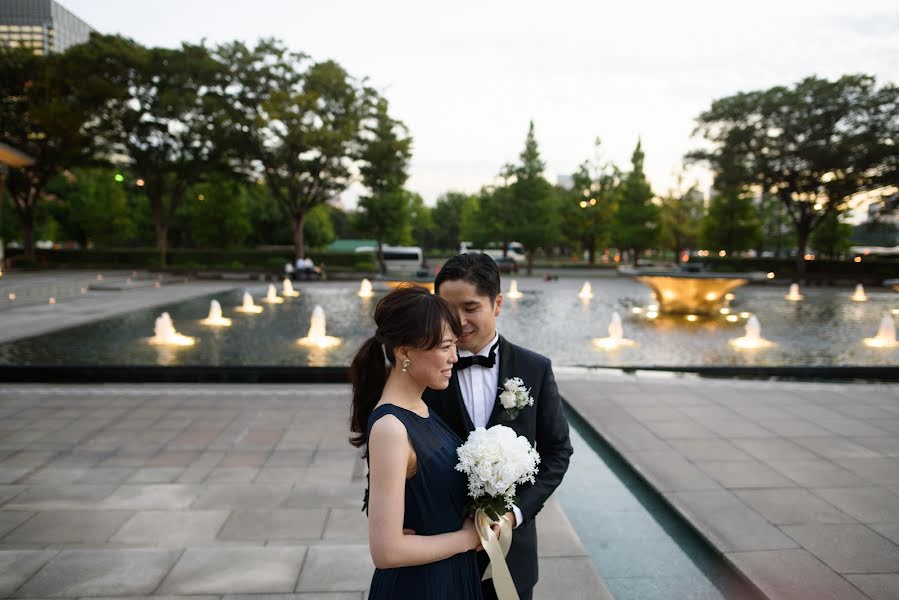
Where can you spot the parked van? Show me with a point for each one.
(398, 260)
(515, 251)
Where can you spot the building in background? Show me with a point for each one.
(41, 25)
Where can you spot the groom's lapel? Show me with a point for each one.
(461, 420)
(505, 371)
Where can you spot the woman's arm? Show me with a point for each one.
(388, 450)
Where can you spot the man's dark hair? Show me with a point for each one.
(476, 268)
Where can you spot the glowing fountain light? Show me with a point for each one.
(164, 333)
(859, 294)
(271, 295)
(886, 334)
(794, 295)
(365, 290)
(616, 337)
(513, 290)
(248, 306)
(215, 317)
(287, 289)
(316, 338)
(586, 292)
(753, 337)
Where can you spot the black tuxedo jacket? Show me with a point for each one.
(543, 423)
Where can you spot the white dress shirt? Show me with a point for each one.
(479, 386)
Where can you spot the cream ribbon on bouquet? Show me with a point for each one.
(496, 460)
(497, 550)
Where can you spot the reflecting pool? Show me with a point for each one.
(824, 328)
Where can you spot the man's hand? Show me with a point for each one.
(509, 515)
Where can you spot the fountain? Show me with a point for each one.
(859, 294)
(886, 334)
(316, 338)
(271, 295)
(215, 317)
(287, 289)
(248, 306)
(586, 292)
(687, 292)
(794, 295)
(365, 290)
(616, 337)
(753, 337)
(164, 333)
(513, 290)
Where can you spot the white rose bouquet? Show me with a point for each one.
(496, 461)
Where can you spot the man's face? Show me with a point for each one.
(477, 313)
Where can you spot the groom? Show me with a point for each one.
(470, 282)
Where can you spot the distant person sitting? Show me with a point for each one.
(288, 270)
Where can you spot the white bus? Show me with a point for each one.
(398, 260)
(515, 251)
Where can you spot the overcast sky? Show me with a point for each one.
(466, 77)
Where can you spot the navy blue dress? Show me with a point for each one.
(434, 504)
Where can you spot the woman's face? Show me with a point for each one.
(434, 367)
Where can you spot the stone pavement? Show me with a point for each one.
(230, 491)
(796, 484)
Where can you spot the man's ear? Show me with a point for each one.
(497, 304)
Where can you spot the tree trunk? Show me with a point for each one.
(28, 231)
(635, 256)
(802, 234)
(382, 266)
(530, 262)
(297, 223)
(591, 252)
(162, 230)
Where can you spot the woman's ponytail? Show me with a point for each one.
(368, 374)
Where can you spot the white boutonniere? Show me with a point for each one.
(514, 397)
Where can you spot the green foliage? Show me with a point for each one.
(448, 215)
(813, 146)
(679, 221)
(422, 223)
(731, 223)
(319, 228)
(213, 215)
(636, 223)
(832, 236)
(90, 208)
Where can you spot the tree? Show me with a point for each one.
(532, 203)
(679, 221)
(636, 222)
(215, 214)
(298, 125)
(91, 207)
(422, 221)
(832, 236)
(48, 105)
(386, 212)
(589, 208)
(447, 216)
(813, 146)
(166, 127)
(731, 223)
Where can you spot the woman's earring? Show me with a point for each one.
(406, 363)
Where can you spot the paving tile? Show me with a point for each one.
(847, 547)
(349, 524)
(868, 505)
(817, 473)
(242, 496)
(668, 471)
(173, 459)
(101, 475)
(729, 524)
(783, 506)
(16, 566)
(880, 471)
(244, 459)
(571, 579)
(284, 523)
(793, 575)
(119, 572)
(679, 430)
(795, 428)
(743, 474)
(173, 528)
(315, 495)
(888, 530)
(881, 586)
(850, 427)
(336, 569)
(714, 449)
(155, 475)
(776, 448)
(307, 596)
(163, 496)
(60, 497)
(836, 447)
(737, 428)
(65, 526)
(232, 475)
(557, 537)
(881, 446)
(235, 571)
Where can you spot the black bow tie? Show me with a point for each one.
(476, 359)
